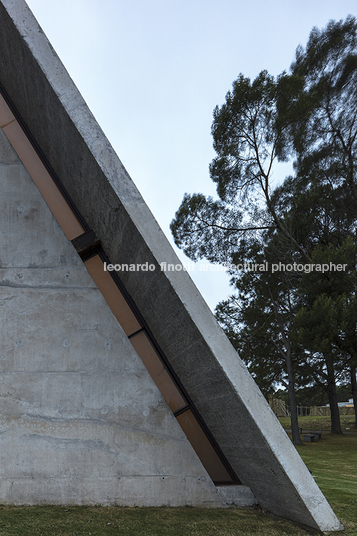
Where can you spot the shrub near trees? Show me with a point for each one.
(299, 326)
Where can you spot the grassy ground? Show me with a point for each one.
(320, 423)
(332, 461)
(57, 521)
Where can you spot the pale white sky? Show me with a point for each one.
(152, 72)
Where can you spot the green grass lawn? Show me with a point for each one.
(320, 423)
(332, 461)
(101, 521)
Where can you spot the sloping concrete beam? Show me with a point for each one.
(217, 381)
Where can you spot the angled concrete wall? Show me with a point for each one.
(81, 420)
(216, 380)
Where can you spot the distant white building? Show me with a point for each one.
(348, 404)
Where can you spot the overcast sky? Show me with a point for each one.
(152, 72)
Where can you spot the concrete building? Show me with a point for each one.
(117, 386)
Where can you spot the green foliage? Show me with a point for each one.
(325, 324)
(257, 318)
(244, 137)
(245, 140)
(201, 225)
(318, 98)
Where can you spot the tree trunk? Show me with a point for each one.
(332, 397)
(292, 400)
(291, 380)
(293, 416)
(354, 390)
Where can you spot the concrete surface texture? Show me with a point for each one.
(81, 420)
(214, 377)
